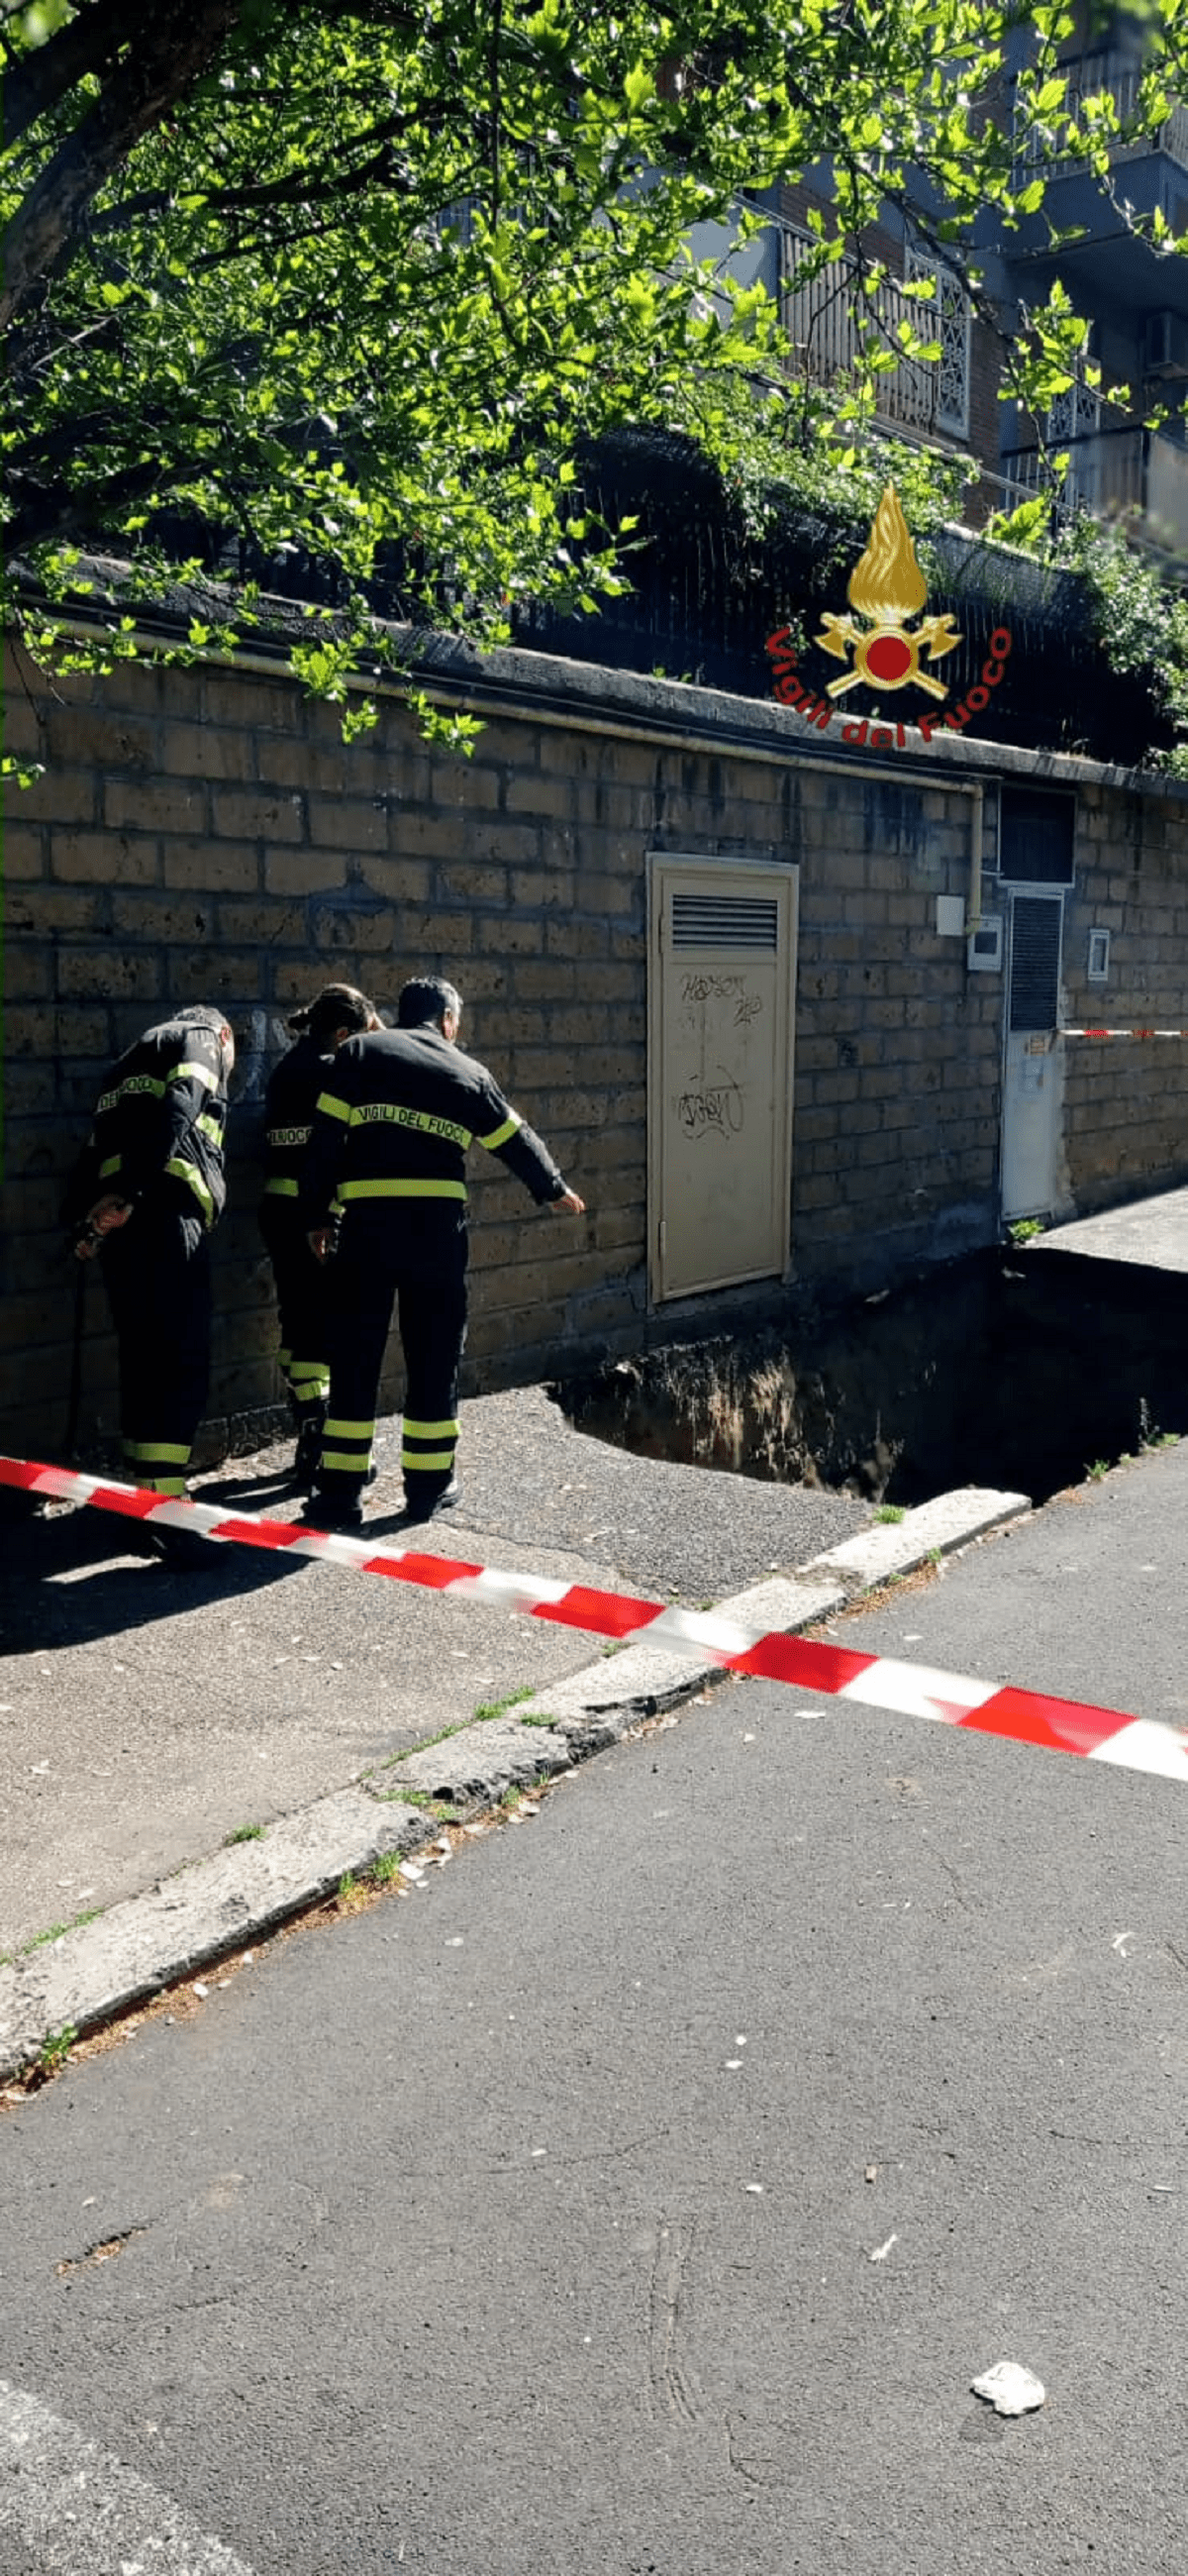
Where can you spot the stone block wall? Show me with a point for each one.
(202, 834)
(895, 1141)
(1126, 1099)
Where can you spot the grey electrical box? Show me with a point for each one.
(985, 945)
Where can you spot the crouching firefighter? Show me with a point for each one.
(303, 1283)
(145, 1194)
(383, 1190)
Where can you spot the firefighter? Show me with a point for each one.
(383, 1192)
(302, 1284)
(145, 1195)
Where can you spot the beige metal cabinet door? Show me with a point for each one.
(721, 980)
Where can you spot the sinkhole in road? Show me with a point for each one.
(1021, 1369)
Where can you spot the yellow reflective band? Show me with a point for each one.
(499, 1135)
(183, 1171)
(170, 1452)
(114, 1163)
(280, 1189)
(426, 1457)
(350, 1430)
(389, 1113)
(301, 1370)
(212, 1127)
(193, 1073)
(332, 1108)
(402, 1190)
(136, 1082)
(169, 1487)
(348, 1460)
(431, 1430)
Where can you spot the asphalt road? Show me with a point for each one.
(643, 2192)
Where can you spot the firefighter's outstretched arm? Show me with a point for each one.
(521, 1149)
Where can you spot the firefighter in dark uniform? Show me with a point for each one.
(383, 1189)
(145, 1195)
(302, 1283)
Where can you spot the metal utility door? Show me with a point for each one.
(721, 979)
(1032, 1085)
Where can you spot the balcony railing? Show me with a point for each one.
(1115, 472)
(1122, 76)
(926, 394)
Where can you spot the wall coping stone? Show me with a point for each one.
(548, 688)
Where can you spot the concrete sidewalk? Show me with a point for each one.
(188, 1757)
(146, 1715)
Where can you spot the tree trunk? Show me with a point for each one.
(178, 44)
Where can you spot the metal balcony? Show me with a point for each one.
(1122, 76)
(828, 336)
(1119, 472)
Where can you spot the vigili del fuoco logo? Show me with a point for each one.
(887, 591)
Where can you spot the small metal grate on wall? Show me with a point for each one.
(1036, 835)
(1035, 961)
(724, 921)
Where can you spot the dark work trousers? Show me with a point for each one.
(156, 1270)
(303, 1298)
(412, 1258)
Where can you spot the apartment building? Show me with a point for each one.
(1128, 458)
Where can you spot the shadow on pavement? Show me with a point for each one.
(84, 1574)
(74, 1576)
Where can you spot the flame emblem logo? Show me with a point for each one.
(887, 588)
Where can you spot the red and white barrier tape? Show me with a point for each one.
(1122, 1033)
(878, 1681)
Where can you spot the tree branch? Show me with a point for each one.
(88, 43)
(180, 43)
(301, 189)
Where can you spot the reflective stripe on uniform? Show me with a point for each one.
(171, 1453)
(332, 1108)
(431, 1430)
(355, 1459)
(279, 1189)
(136, 1082)
(114, 1163)
(183, 1171)
(401, 1190)
(155, 1085)
(499, 1135)
(171, 1488)
(391, 1113)
(193, 1073)
(426, 1458)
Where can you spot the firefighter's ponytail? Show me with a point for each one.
(337, 1006)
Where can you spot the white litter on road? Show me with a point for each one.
(1009, 2389)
